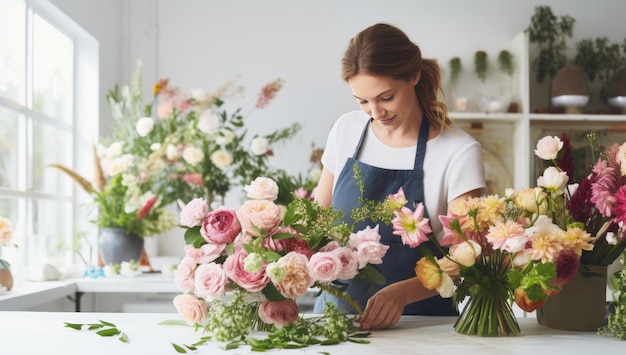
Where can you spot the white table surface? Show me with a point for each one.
(45, 333)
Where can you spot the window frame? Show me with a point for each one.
(83, 132)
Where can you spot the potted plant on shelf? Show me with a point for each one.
(506, 65)
(600, 59)
(550, 34)
(481, 64)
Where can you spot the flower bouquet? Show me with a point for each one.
(196, 141)
(264, 257)
(598, 203)
(523, 247)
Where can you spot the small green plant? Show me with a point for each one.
(550, 33)
(481, 65)
(505, 62)
(456, 67)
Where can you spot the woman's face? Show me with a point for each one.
(389, 101)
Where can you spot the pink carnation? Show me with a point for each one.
(194, 212)
(220, 226)
(251, 281)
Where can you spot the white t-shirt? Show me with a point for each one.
(453, 164)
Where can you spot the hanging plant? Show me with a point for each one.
(456, 67)
(505, 62)
(481, 65)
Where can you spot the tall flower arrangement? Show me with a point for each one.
(199, 147)
(267, 257)
(598, 201)
(522, 246)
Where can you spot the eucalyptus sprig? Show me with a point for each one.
(104, 329)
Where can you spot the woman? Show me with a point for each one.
(401, 137)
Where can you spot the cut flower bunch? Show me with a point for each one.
(522, 247)
(264, 257)
(196, 143)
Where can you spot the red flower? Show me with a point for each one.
(567, 264)
(147, 207)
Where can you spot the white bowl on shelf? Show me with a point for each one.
(617, 101)
(570, 100)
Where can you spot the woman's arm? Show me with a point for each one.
(385, 307)
(324, 191)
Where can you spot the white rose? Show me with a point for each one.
(114, 150)
(259, 146)
(193, 155)
(144, 126)
(208, 122)
(222, 159)
(548, 147)
(262, 188)
(226, 136)
(199, 95)
(171, 152)
(155, 146)
(553, 179)
(119, 165)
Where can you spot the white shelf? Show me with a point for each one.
(519, 130)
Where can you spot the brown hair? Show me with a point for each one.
(385, 50)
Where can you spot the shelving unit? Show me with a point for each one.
(509, 139)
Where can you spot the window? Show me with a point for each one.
(48, 114)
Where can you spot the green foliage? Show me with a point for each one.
(616, 325)
(550, 34)
(505, 62)
(481, 65)
(456, 67)
(104, 329)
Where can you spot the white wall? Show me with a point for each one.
(203, 43)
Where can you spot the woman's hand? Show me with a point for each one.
(383, 309)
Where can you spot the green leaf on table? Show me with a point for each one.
(179, 349)
(108, 332)
(73, 325)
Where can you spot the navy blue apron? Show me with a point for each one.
(399, 261)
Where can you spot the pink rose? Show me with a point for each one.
(192, 309)
(324, 267)
(184, 274)
(206, 254)
(262, 188)
(165, 109)
(297, 279)
(279, 313)
(220, 226)
(194, 179)
(349, 262)
(332, 245)
(370, 252)
(211, 281)
(194, 212)
(264, 215)
(251, 281)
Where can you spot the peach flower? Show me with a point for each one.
(192, 309)
(262, 188)
(258, 216)
(297, 279)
